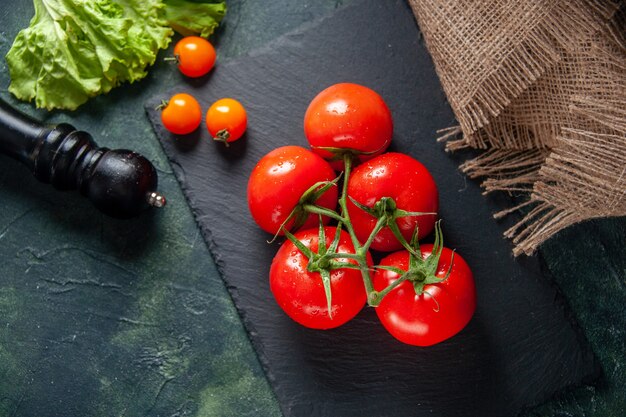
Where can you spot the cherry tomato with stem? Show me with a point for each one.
(226, 120)
(279, 180)
(195, 56)
(298, 286)
(401, 178)
(348, 117)
(430, 307)
(181, 114)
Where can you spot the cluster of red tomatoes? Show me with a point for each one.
(385, 202)
(226, 119)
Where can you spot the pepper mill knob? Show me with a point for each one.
(120, 183)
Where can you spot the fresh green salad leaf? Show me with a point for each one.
(76, 49)
(189, 17)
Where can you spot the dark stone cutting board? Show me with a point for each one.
(521, 346)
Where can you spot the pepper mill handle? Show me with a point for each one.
(120, 183)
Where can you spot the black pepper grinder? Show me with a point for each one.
(120, 183)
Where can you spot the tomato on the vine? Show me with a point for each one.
(407, 182)
(195, 56)
(181, 114)
(441, 310)
(348, 116)
(301, 293)
(278, 181)
(226, 120)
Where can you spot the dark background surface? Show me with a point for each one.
(102, 317)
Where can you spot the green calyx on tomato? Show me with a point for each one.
(222, 136)
(387, 212)
(411, 186)
(307, 270)
(427, 298)
(324, 260)
(421, 272)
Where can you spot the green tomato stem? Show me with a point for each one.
(382, 222)
(222, 136)
(398, 234)
(343, 200)
(354, 256)
(341, 265)
(375, 302)
(312, 208)
(361, 252)
(325, 273)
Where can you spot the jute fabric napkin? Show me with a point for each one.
(539, 86)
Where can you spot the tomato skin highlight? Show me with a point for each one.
(402, 178)
(227, 114)
(301, 294)
(348, 115)
(182, 114)
(426, 319)
(195, 56)
(278, 181)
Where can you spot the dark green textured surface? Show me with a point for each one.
(102, 317)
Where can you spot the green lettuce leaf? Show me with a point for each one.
(76, 49)
(190, 17)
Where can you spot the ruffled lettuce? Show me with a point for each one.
(77, 49)
(189, 17)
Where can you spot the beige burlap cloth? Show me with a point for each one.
(540, 87)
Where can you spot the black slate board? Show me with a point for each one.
(521, 346)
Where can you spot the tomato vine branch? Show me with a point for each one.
(421, 271)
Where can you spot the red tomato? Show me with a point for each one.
(181, 114)
(278, 181)
(301, 294)
(440, 312)
(405, 180)
(226, 120)
(195, 56)
(348, 116)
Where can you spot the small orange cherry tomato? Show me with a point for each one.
(226, 120)
(181, 114)
(195, 56)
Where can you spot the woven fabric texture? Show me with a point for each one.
(540, 87)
